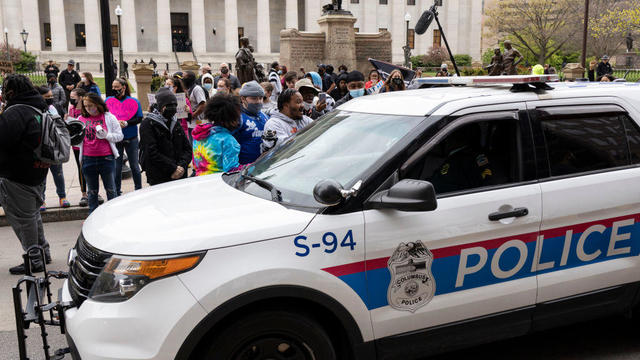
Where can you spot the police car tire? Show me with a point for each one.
(305, 335)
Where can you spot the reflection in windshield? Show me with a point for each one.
(339, 146)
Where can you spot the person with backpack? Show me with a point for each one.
(165, 151)
(56, 170)
(22, 174)
(98, 151)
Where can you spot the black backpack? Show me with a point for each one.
(55, 142)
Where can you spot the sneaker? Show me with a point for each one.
(43, 207)
(19, 269)
(64, 203)
(84, 202)
(100, 200)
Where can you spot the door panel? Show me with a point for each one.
(479, 266)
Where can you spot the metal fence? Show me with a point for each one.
(38, 78)
(631, 75)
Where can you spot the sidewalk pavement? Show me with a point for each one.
(72, 188)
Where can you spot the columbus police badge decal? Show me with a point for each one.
(412, 284)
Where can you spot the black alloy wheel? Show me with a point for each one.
(272, 335)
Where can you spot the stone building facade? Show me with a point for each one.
(62, 29)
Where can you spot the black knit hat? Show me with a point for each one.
(164, 97)
(355, 75)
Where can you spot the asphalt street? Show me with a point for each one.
(613, 338)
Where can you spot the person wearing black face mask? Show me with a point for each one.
(394, 82)
(165, 151)
(59, 97)
(225, 73)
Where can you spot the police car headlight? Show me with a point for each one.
(123, 277)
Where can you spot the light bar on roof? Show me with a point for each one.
(489, 80)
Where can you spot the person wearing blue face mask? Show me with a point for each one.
(207, 84)
(252, 121)
(355, 85)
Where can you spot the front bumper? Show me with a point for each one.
(152, 325)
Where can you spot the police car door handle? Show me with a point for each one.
(517, 212)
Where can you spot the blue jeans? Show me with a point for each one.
(131, 147)
(94, 167)
(58, 179)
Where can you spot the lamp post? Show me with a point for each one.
(407, 18)
(6, 42)
(119, 14)
(25, 35)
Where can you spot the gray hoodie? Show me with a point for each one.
(284, 126)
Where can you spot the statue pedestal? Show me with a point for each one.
(143, 73)
(628, 60)
(340, 39)
(189, 65)
(573, 71)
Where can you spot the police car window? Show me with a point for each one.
(475, 155)
(576, 145)
(633, 137)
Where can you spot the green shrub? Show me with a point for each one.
(417, 61)
(464, 59)
(156, 83)
(27, 62)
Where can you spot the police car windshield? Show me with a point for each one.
(339, 146)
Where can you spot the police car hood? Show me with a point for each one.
(188, 215)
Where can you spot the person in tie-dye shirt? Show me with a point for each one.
(214, 148)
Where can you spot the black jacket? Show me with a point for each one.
(163, 147)
(68, 78)
(20, 134)
(604, 69)
(51, 69)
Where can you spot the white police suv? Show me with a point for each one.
(398, 226)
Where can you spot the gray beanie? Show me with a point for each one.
(164, 97)
(252, 88)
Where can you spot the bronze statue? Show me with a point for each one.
(509, 57)
(629, 40)
(337, 4)
(245, 62)
(495, 69)
(334, 8)
(260, 76)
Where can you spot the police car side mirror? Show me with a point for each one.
(328, 192)
(406, 195)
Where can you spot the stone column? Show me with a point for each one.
(291, 14)
(451, 24)
(264, 27)
(92, 26)
(398, 30)
(58, 26)
(198, 31)
(143, 74)
(476, 31)
(165, 44)
(369, 17)
(231, 26)
(313, 11)
(31, 23)
(340, 39)
(129, 28)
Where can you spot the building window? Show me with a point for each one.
(355, 1)
(383, 2)
(411, 2)
(81, 36)
(240, 35)
(114, 36)
(411, 38)
(47, 35)
(437, 39)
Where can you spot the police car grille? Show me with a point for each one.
(85, 269)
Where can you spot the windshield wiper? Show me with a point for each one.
(276, 195)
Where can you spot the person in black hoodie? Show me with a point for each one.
(21, 174)
(165, 152)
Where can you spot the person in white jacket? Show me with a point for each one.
(98, 150)
(287, 120)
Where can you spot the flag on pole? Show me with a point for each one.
(384, 69)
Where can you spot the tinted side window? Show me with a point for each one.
(576, 145)
(633, 136)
